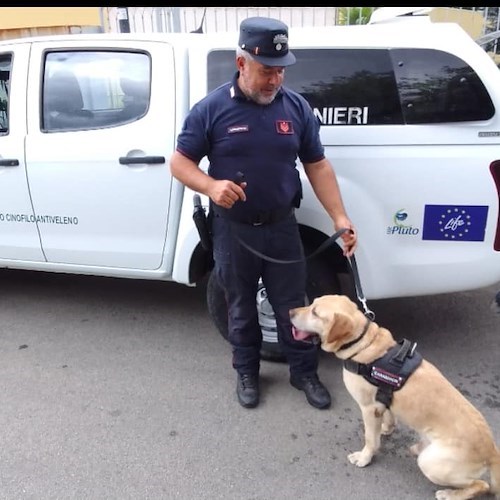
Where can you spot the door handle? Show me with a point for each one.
(135, 160)
(7, 162)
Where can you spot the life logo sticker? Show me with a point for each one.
(455, 222)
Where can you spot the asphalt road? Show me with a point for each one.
(115, 389)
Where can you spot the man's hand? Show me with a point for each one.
(226, 193)
(349, 238)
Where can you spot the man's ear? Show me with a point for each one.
(340, 332)
(240, 62)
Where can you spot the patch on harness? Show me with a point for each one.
(386, 377)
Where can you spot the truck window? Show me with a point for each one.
(5, 67)
(343, 86)
(378, 86)
(438, 87)
(347, 86)
(94, 89)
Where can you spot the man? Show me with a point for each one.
(256, 126)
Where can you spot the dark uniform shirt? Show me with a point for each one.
(261, 141)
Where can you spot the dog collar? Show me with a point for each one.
(350, 344)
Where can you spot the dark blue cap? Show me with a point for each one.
(267, 40)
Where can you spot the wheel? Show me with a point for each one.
(217, 308)
(321, 279)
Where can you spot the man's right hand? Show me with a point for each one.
(226, 193)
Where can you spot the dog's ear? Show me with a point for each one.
(340, 333)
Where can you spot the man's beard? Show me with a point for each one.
(261, 99)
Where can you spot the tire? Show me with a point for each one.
(321, 279)
(217, 308)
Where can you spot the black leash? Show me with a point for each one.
(200, 220)
(352, 263)
(322, 247)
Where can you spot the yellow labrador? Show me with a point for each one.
(456, 446)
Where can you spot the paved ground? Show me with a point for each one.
(113, 389)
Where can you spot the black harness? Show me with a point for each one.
(390, 372)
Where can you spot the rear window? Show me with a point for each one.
(378, 86)
(437, 87)
(5, 70)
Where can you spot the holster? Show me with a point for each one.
(202, 223)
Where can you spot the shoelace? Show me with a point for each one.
(248, 382)
(313, 381)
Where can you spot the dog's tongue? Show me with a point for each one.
(300, 334)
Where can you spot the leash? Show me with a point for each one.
(200, 219)
(322, 247)
(352, 264)
(359, 292)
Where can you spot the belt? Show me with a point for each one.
(256, 219)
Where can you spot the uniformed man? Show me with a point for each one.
(256, 126)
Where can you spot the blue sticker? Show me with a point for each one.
(455, 222)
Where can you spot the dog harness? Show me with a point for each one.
(390, 372)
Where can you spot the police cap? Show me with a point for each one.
(267, 40)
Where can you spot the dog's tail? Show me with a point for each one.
(495, 473)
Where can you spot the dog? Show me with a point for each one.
(456, 446)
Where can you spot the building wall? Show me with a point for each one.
(471, 21)
(29, 21)
(185, 19)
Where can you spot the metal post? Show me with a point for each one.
(176, 19)
(104, 20)
(123, 21)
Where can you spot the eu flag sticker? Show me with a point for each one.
(455, 222)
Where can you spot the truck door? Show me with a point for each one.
(19, 239)
(100, 133)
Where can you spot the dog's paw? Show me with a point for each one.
(360, 458)
(446, 495)
(388, 429)
(417, 448)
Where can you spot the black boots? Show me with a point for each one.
(247, 389)
(316, 393)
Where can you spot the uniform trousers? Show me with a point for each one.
(238, 271)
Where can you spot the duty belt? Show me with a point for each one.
(256, 219)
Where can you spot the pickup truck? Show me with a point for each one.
(408, 119)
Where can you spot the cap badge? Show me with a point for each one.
(279, 40)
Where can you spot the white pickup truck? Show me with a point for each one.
(410, 120)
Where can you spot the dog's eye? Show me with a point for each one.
(314, 312)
